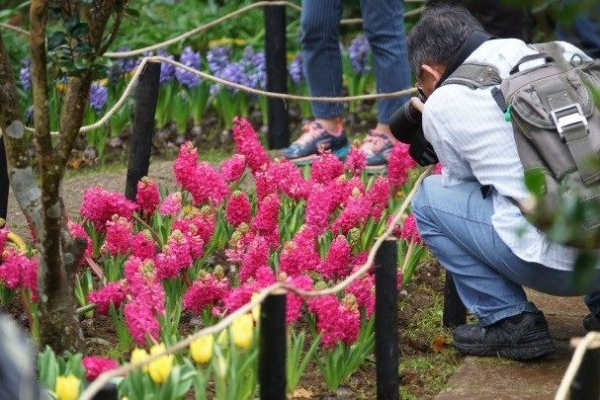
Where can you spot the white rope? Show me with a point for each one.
(129, 89)
(571, 372)
(14, 28)
(105, 377)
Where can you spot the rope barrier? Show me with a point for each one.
(105, 377)
(592, 339)
(14, 28)
(285, 96)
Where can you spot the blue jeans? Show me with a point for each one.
(384, 29)
(455, 224)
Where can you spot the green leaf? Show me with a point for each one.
(80, 29)
(57, 39)
(83, 48)
(535, 181)
(132, 12)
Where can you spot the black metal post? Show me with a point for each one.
(386, 321)
(146, 97)
(587, 381)
(271, 369)
(4, 182)
(455, 312)
(275, 54)
(108, 392)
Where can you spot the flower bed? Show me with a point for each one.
(203, 251)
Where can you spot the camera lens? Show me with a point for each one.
(405, 122)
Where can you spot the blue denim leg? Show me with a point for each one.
(455, 223)
(320, 25)
(384, 28)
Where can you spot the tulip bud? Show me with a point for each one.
(201, 349)
(139, 355)
(67, 387)
(242, 329)
(160, 368)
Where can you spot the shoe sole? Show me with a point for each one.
(376, 169)
(529, 351)
(340, 153)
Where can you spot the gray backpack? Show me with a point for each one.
(557, 132)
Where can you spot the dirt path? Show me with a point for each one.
(487, 378)
(160, 171)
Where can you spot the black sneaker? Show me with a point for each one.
(521, 337)
(591, 323)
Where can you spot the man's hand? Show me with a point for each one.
(417, 103)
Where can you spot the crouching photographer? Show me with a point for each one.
(468, 216)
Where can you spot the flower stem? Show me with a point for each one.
(409, 252)
(152, 231)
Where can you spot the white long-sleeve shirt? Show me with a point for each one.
(473, 142)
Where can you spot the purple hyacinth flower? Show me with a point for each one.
(25, 73)
(167, 71)
(218, 58)
(29, 115)
(253, 68)
(191, 59)
(359, 51)
(232, 72)
(98, 96)
(126, 65)
(296, 70)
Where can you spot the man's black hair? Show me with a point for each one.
(439, 33)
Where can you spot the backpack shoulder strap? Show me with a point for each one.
(475, 76)
(554, 50)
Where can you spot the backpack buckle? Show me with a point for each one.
(568, 117)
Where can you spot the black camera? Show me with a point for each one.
(406, 126)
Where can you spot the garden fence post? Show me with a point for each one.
(386, 320)
(455, 312)
(146, 98)
(4, 182)
(276, 62)
(108, 392)
(586, 384)
(272, 348)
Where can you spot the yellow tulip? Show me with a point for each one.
(223, 338)
(242, 329)
(139, 355)
(201, 349)
(160, 368)
(67, 387)
(255, 309)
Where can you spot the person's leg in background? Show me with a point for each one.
(455, 224)
(320, 26)
(384, 29)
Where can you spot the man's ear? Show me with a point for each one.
(431, 73)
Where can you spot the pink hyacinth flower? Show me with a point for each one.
(337, 262)
(300, 256)
(410, 230)
(356, 161)
(318, 208)
(143, 245)
(379, 195)
(266, 220)
(147, 196)
(171, 205)
(326, 168)
(247, 143)
(205, 291)
(233, 168)
(399, 165)
(119, 235)
(94, 366)
(141, 321)
(99, 206)
(238, 209)
(257, 255)
(113, 292)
